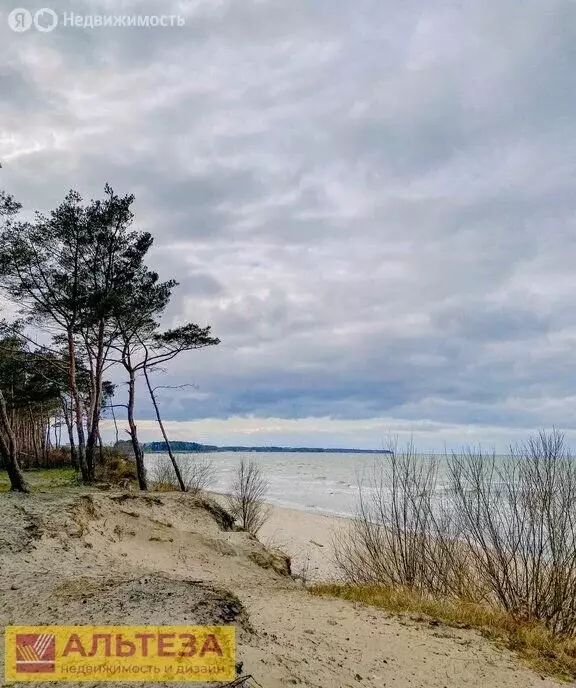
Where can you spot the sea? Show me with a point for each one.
(321, 482)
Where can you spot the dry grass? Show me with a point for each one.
(163, 486)
(534, 643)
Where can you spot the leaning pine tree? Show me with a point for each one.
(142, 347)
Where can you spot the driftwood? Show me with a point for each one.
(242, 682)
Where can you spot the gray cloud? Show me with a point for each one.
(370, 202)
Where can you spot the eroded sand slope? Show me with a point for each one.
(112, 558)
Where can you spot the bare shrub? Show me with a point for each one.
(504, 533)
(197, 474)
(246, 498)
(517, 516)
(163, 477)
(303, 571)
(402, 535)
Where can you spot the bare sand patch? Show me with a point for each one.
(170, 559)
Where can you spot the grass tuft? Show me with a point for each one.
(535, 644)
(163, 486)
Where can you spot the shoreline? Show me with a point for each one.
(305, 536)
(291, 506)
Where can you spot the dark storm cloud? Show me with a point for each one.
(370, 202)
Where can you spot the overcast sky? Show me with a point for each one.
(371, 202)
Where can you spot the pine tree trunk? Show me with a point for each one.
(70, 427)
(164, 435)
(100, 449)
(133, 432)
(95, 402)
(78, 409)
(9, 452)
(42, 435)
(115, 423)
(34, 436)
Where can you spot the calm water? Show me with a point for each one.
(323, 482)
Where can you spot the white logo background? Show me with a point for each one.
(45, 20)
(21, 20)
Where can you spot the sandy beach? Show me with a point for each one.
(170, 559)
(305, 536)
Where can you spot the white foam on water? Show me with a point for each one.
(320, 483)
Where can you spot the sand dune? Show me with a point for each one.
(107, 558)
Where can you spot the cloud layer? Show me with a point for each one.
(371, 202)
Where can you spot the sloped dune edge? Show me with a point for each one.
(127, 558)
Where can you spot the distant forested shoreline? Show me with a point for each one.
(160, 447)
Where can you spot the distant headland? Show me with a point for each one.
(196, 447)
